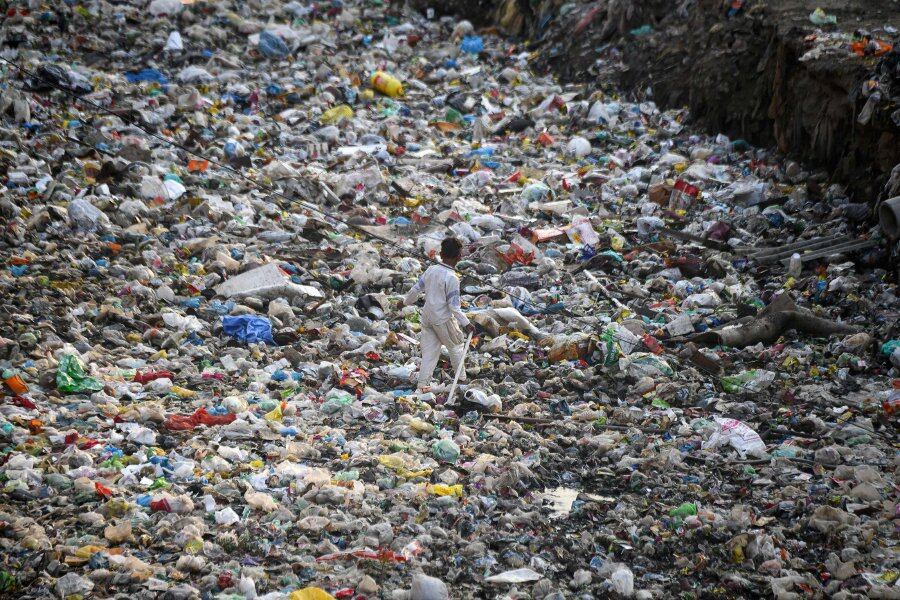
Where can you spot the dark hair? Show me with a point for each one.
(451, 248)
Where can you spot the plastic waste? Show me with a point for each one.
(820, 17)
(622, 581)
(387, 84)
(738, 435)
(272, 46)
(211, 217)
(795, 266)
(445, 450)
(514, 576)
(428, 588)
(578, 147)
(472, 44)
(248, 328)
(71, 377)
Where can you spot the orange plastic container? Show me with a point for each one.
(16, 385)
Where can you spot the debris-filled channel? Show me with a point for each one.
(680, 354)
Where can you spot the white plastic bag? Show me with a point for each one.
(738, 435)
(226, 516)
(623, 581)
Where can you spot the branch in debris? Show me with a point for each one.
(774, 320)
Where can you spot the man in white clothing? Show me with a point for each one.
(443, 322)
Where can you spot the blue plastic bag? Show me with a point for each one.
(146, 75)
(473, 44)
(250, 329)
(272, 46)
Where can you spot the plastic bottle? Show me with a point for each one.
(892, 404)
(795, 266)
(387, 84)
(15, 383)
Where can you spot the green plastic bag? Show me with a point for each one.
(687, 509)
(336, 401)
(608, 337)
(754, 380)
(445, 450)
(71, 378)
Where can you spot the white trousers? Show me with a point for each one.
(431, 339)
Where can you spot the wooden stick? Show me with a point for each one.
(459, 369)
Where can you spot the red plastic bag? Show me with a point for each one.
(200, 417)
(873, 47)
(151, 375)
(23, 402)
(102, 490)
(516, 254)
(160, 505)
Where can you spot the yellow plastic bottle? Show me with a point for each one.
(387, 84)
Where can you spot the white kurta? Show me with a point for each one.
(442, 319)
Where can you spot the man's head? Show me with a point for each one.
(451, 251)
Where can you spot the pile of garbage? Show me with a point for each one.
(684, 380)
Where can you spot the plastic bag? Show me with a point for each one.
(272, 46)
(160, 8)
(491, 402)
(335, 401)
(472, 44)
(174, 43)
(738, 435)
(755, 380)
(84, 216)
(148, 74)
(200, 417)
(820, 17)
(260, 501)
(445, 450)
(71, 378)
(640, 364)
(248, 328)
(578, 147)
(514, 576)
(310, 593)
(622, 581)
(428, 588)
(335, 114)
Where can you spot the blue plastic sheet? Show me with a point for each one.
(272, 46)
(473, 44)
(250, 329)
(146, 75)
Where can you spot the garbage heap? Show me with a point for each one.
(684, 380)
